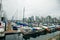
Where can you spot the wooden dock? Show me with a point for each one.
(9, 32)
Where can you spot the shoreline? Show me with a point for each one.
(57, 37)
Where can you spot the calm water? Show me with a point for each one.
(31, 37)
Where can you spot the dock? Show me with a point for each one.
(9, 32)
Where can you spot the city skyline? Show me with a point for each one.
(32, 8)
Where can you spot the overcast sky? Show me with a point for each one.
(32, 8)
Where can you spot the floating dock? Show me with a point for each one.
(9, 32)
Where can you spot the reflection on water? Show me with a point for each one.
(30, 37)
(2, 38)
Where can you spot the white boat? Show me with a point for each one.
(2, 28)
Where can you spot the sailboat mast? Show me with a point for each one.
(0, 9)
(23, 14)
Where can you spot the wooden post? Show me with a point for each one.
(9, 26)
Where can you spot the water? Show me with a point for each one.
(31, 37)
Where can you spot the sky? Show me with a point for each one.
(32, 8)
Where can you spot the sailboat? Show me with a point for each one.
(2, 24)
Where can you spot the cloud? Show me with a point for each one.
(32, 7)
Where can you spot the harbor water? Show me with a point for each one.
(32, 37)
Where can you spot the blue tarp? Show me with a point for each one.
(21, 24)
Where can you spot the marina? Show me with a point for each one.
(20, 26)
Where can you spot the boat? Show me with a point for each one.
(47, 30)
(52, 28)
(39, 30)
(58, 27)
(2, 29)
